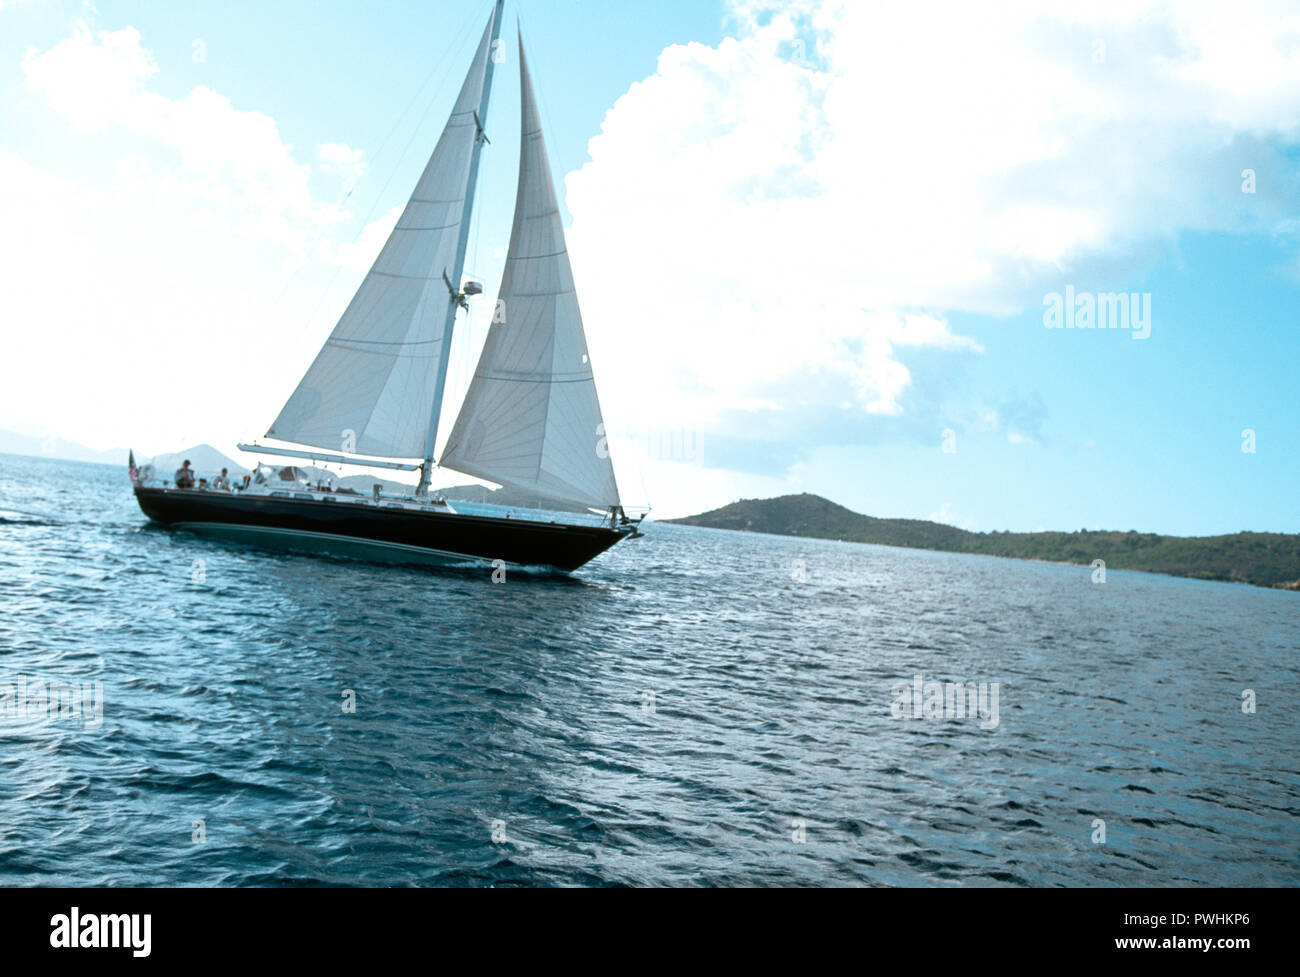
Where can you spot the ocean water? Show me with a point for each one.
(693, 708)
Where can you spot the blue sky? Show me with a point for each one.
(812, 240)
(1127, 434)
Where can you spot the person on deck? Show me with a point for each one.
(184, 477)
(222, 482)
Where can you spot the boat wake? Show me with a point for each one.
(16, 517)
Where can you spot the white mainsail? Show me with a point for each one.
(531, 418)
(372, 388)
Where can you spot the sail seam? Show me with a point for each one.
(411, 356)
(376, 342)
(537, 257)
(517, 379)
(408, 278)
(440, 227)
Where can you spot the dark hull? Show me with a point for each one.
(376, 532)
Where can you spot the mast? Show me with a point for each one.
(455, 298)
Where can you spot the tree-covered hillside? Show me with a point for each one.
(1265, 559)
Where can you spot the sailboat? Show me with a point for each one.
(530, 420)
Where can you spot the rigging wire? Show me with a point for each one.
(436, 77)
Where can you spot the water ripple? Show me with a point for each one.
(684, 711)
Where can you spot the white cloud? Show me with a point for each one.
(789, 212)
(360, 254)
(947, 517)
(944, 514)
(144, 281)
(199, 148)
(342, 159)
(96, 82)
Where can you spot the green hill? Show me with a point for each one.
(1264, 559)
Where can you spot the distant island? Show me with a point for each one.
(1263, 559)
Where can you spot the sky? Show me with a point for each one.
(818, 244)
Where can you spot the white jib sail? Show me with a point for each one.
(370, 390)
(531, 418)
